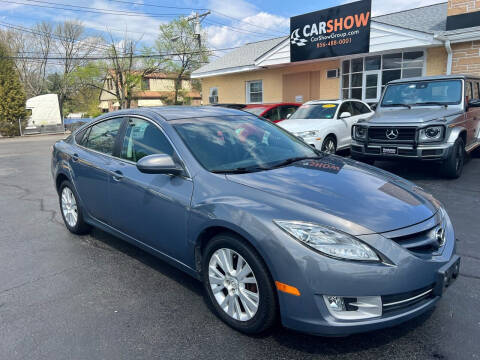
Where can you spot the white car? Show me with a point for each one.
(326, 125)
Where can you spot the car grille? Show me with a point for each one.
(423, 243)
(403, 300)
(404, 134)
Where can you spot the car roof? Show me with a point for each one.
(336, 101)
(436, 77)
(270, 105)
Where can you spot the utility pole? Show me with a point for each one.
(197, 19)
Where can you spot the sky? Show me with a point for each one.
(231, 23)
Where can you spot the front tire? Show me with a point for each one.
(71, 210)
(329, 145)
(238, 285)
(453, 165)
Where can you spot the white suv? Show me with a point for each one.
(326, 125)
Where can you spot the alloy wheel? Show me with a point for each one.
(233, 284)
(329, 147)
(69, 207)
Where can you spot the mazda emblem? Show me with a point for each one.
(391, 134)
(440, 236)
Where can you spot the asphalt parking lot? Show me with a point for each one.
(97, 297)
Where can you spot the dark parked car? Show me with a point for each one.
(270, 225)
(231, 106)
(433, 118)
(273, 112)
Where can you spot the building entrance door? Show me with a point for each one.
(372, 88)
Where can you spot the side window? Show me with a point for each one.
(81, 137)
(102, 136)
(287, 110)
(468, 90)
(273, 114)
(143, 138)
(360, 108)
(346, 107)
(476, 90)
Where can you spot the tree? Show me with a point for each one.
(75, 48)
(12, 96)
(185, 53)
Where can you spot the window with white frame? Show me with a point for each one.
(389, 67)
(254, 92)
(213, 98)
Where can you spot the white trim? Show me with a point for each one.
(247, 91)
(232, 70)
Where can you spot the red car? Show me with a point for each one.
(273, 112)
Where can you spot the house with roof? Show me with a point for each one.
(154, 89)
(438, 39)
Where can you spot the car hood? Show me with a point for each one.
(299, 125)
(370, 197)
(414, 115)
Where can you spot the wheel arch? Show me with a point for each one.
(458, 132)
(61, 177)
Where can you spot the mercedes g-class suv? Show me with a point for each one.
(427, 118)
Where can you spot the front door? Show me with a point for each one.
(152, 208)
(371, 89)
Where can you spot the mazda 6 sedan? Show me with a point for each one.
(272, 227)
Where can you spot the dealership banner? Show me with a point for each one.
(337, 31)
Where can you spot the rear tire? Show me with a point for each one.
(251, 292)
(452, 167)
(71, 210)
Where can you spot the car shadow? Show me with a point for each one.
(101, 239)
(320, 345)
(306, 343)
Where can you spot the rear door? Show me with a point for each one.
(90, 164)
(152, 208)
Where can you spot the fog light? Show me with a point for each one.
(335, 303)
(354, 308)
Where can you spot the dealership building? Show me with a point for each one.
(432, 40)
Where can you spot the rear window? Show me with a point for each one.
(255, 110)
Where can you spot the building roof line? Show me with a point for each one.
(406, 10)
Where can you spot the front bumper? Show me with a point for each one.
(408, 288)
(395, 151)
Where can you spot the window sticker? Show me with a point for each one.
(328, 106)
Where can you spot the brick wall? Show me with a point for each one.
(456, 7)
(466, 58)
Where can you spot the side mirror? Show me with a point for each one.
(373, 106)
(288, 116)
(159, 164)
(344, 115)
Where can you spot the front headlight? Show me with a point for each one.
(359, 132)
(305, 134)
(431, 134)
(328, 241)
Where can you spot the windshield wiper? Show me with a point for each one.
(432, 103)
(403, 105)
(294, 160)
(239, 170)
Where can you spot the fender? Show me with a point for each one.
(455, 133)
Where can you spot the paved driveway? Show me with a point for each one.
(96, 297)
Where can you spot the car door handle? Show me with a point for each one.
(117, 175)
(75, 157)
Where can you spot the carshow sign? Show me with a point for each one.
(337, 31)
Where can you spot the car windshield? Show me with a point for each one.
(441, 92)
(257, 110)
(240, 143)
(315, 111)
